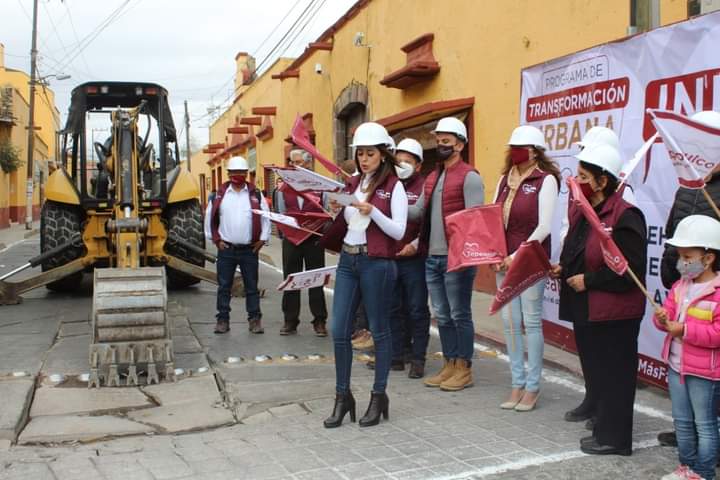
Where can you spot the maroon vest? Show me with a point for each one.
(378, 243)
(215, 212)
(453, 197)
(291, 196)
(413, 189)
(602, 305)
(523, 219)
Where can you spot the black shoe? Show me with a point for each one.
(255, 326)
(379, 405)
(587, 440)
(397, 365)
(222, 327)
(590, 424)
(289, 328)
(667, 439)
(344, 403)
(579, 414)
(594, 448)
(417, 369)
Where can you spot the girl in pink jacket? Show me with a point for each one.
(691, 318)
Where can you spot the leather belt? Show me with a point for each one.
(354, 249)
(237, 246)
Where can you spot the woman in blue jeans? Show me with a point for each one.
(366, 234)
(527, 192)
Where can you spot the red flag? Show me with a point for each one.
(313, 221)
(612, 255)
(476, 236)
(301, 138)
(529, 266)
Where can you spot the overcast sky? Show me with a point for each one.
(188, 46)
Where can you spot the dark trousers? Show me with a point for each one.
(583, 341)
(410, 315)
(294, 256)
(228, 260)
(611, 361)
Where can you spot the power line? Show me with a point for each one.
(287, 14)
(88, 39)
(75, 34)
(292, 27)
(308, 20)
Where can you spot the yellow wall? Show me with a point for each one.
(480, 45)
(47, 117)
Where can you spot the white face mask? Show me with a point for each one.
(404, 170)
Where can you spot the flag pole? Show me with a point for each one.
(642, 288)
(711, 202)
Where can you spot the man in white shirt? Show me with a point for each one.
(238, 235)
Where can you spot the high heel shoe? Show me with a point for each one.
(379, 405)
(344, 403)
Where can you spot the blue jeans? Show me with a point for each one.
(694, 411)
(373, 280)
(525, 309)
(228, 260)
(450, 296)
(410, 314)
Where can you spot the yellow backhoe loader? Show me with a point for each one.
(129, 214)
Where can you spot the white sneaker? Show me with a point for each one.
(680, 473)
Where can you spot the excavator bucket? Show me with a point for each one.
(131, 333)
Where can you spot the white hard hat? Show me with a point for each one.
(599, 135)
(708, 117)
(603, 156)
(370, 134)
(452, 125)
(237, 163)
(527, 135)
(697, 231)
(411, 145)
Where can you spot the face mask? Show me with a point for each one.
(444, 151)
(237, 180)
(692, 269)
(587, 190)
(404, 170)
(519, 155)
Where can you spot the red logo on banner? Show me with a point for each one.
(683, 94)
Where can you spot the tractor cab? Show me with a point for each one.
(87, 141)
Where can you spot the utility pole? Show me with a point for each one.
(31, 123)
(187, 137)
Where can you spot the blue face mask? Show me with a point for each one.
(692, 269)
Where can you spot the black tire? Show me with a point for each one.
(184, 220)
(58, 224)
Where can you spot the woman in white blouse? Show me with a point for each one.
(527, 191)
(366, 233)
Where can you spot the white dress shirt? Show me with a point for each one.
(394, 227)
(236, 217)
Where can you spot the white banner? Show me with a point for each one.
(318, 277)
(672, 68)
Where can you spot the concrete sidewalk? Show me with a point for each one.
(15, 233)
(488, 329)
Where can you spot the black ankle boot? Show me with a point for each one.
(379, 404)
(344, 403)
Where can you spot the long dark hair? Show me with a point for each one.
(386, 168)
(543, 163)
(597, 172)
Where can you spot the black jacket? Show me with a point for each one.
(687, 202)
(630, 236)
